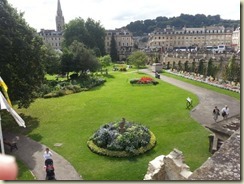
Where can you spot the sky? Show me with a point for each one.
(40, 14)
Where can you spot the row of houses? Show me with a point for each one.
(160, 39)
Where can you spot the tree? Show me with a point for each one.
(186, 66)
(21, 56)
(89, 32)
(212, 69)
(233, 70)
(138, 59)
(77, 58)
(201, 67)
(180, 66)
(67, 64)
(105, 61)
(52, 60)
(113, 50)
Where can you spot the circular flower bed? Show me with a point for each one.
(122, 139)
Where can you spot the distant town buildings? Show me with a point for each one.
(52, 37)
(124, 42)
(236, 39)
(160, 39)
(171, 37)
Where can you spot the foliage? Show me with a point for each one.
(201, 67)
(212, 69)
(139, 27)
(138, 59)
(77, 58)
(52, 60)
(105, 61)
(113, 50)
(233, 70)
(120, 67)
(60, 88)
(110, 141)
(22, 58)
(88, 32)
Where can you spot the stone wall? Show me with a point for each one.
(170, 167)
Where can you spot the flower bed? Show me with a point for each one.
(122, 139)
(144, 80)
(208, 80)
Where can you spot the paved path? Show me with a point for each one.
(30, 152)
(202, 113)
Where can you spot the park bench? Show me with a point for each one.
(12, 145)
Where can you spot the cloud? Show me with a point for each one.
(117, 13)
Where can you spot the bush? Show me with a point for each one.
(109, 140)
(84, 83)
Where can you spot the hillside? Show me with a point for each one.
(138, 28)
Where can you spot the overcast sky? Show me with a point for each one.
(118, 13)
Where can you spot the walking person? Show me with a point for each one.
(215, 113)
(225, 112)
(47, 154)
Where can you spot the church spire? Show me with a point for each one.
(59, 18)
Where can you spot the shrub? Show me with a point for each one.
(109, 140)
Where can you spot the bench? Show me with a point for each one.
(12, 145)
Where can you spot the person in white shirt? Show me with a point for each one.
(47, 154)
(225, 112)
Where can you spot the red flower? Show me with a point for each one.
(145, 80)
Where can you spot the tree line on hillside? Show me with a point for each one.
(140, 27)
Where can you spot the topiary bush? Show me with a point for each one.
(122, 140)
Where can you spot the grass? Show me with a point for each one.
(72, 119)
(204, 85)
(24, 173)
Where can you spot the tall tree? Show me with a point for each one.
(52, 60)
(105, 61)
(77, 58)
(201, 67)
(138, 59)
(89, 32)
(212, 69)
(21, 56)
(233, 70)
(113, 50)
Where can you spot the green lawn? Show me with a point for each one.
(72, 119)
(24, 173)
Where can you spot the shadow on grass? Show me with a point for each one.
(10, 125)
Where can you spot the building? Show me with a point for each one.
(236, 39)
(52, 37)
(171, 37)
(124, 42)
